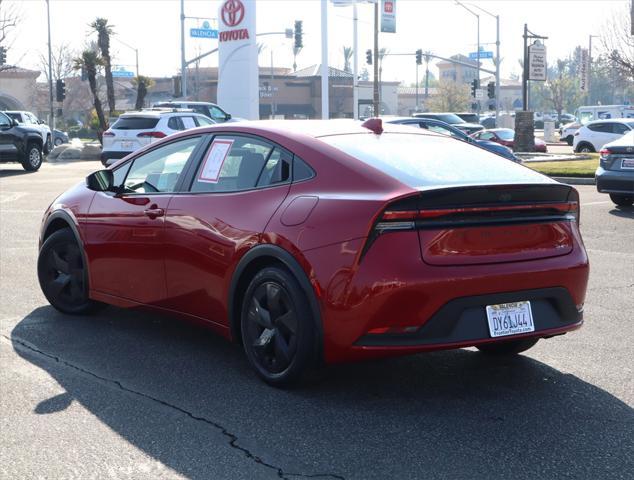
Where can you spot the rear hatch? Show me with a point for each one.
(619, 156)
(130, 133)
(489, 224)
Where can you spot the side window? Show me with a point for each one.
(175, 123)
(485, 136)
(600, 127)
(159, 169)
(234, 163)
(619, 128)
(199, 109)
(301, 170)
(203, 121)
(276, 170)
(217, 114)
(4, 120)
(188, 122)
(120, 174)
(443, 130)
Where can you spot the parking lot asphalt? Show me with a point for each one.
(125, 394)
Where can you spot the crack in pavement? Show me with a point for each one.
(233, 439)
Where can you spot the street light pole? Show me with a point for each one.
(355, 62)
(50, 68)
(589, 86)
(478, 46)
(183, 61)
(325, 98)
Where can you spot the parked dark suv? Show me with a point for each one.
(20, 144)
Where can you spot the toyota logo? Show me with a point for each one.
(232, 13)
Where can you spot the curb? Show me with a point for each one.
(575, 180)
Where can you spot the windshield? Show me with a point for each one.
(506, 134)
(424, 161)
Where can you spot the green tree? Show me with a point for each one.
(104, 32)
(347, 55)
(90, 62)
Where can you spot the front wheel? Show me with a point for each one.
(585, 148)
(510, 347)
(62, 274)
(278, 331)
(33, 160)
(622, 200)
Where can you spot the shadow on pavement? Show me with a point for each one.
(13, 172)
(455, 414)
(624, 212)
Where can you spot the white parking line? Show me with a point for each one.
(11, 196)
(593, 203)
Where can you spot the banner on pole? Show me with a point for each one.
(388, 16)
(584, 71)
(537, 62)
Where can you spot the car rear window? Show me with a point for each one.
(506, 134)
(425, 161)
(135, 123)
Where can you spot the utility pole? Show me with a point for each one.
(355, 62)
(427, 58)
(375, 102)
(525, 71)
(325, 101)
(478, 43)
(50, 68)
(497, 69)
(183, 61)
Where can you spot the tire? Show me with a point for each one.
(278, 331)
(569, 140)
(510, 347)
(584, 147)
(47, 145)
(62, 274)
(622, 200)
(58, 142)
(33, 160)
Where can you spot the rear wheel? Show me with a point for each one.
(585, 148)
(278, 332)
(62, 274)
(569, 140)
(47, 145)
(33, 160)
(622, 200)
(507, 348)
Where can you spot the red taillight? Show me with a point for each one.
(108, 133)
(605, 152)
(151, 135)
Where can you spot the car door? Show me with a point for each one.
(235, 190)
(8, 139)
(124, 231)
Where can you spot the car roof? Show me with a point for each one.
(158, 113)
(611, 120)
(185, 102)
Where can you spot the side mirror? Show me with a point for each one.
(227, 116)
(101, 181)
(14, 122)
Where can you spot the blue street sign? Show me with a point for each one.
(122, 73)
(483, 55)
(203, 33)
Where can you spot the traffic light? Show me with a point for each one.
(474, 87)
(60, 90)
(298, 35)
(419, 57)
(3, 55)
(368, 57)
(491, 89)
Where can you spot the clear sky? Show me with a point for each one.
(440, 26)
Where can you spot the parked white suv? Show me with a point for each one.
(134, 130)
(593, 135)
(209, 109)
(30, 120)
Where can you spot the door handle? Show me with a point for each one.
(154, 212)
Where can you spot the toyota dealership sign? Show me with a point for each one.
(238, 85)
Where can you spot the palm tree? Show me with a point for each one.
(104, 31)
(90, 62)
(347, 55)
(142, 85)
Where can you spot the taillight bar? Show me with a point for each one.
(411, 215)
(151, 135)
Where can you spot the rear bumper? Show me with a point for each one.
(609, 181)
(463, 321)
(108, 155)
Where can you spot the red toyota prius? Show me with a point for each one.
(313, 241)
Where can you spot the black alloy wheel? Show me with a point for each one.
(63, 278)
(509, 347)
(277, 327)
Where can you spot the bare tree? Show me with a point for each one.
(450, 97)
(62, 59)
(347, 55)
(618, 42)
(10, 17)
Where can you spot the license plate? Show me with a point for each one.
(126, 144)
(510, 319)
(627, 163)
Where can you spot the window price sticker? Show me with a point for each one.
(215, 159)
